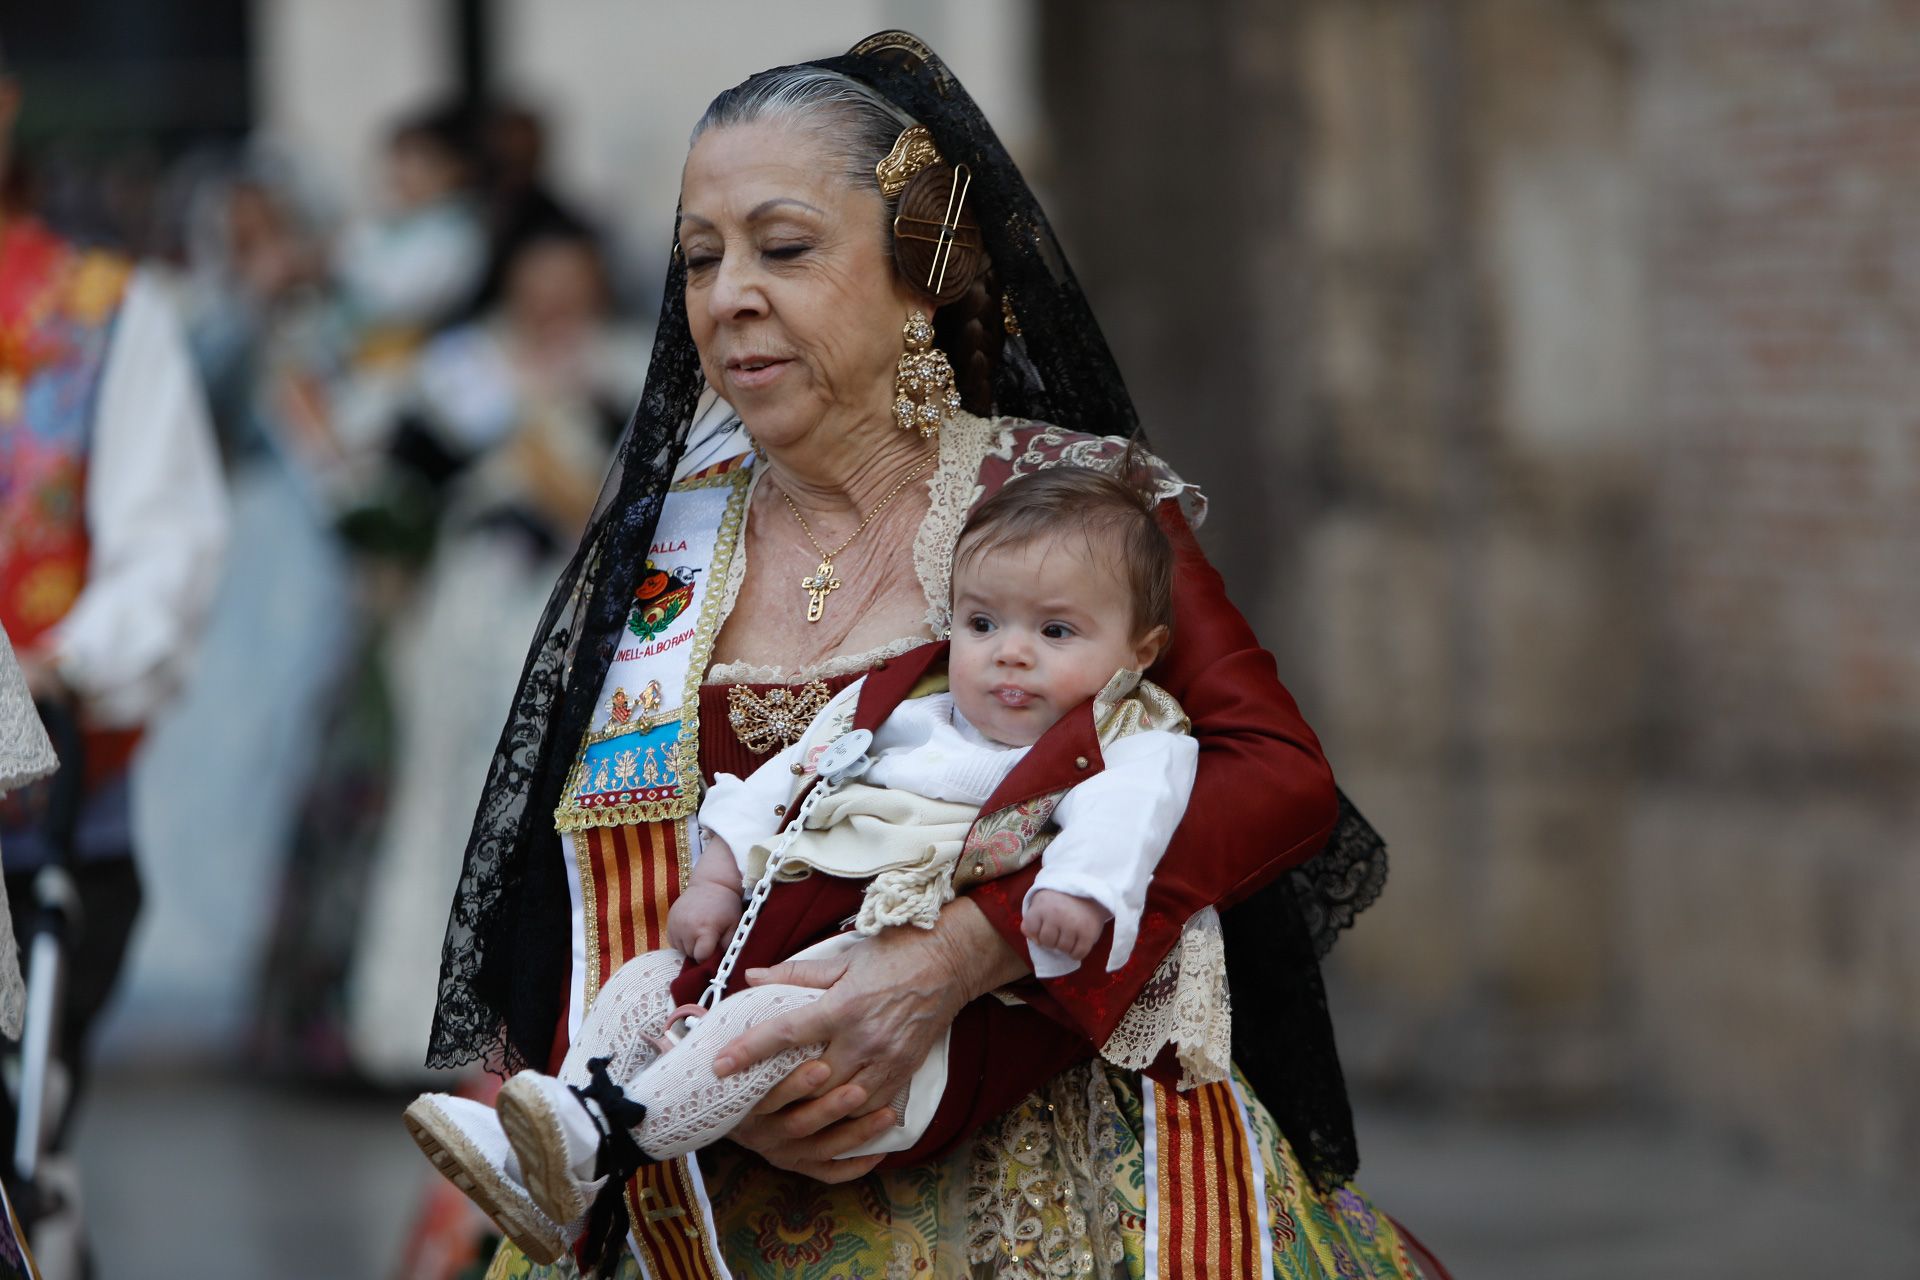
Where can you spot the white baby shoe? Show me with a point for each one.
(467, 1144)
(555, 1141)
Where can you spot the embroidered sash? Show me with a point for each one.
(625, 819)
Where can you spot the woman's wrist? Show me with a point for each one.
(975, 952)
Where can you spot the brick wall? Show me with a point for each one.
(1776, 922)
(1785, 142)
(1560, 395)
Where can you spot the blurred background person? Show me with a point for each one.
(526, 403)
(522, 198)
(273, 344)
(112, 521)
(421, 256)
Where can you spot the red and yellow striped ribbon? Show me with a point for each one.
(634, 873)
(1205, 1193)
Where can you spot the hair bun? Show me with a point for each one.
(941, 265)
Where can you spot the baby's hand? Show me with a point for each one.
(702, 918)
(1063, 922)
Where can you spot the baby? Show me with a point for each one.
(1062, 586)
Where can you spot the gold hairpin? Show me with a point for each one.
(912, 151)
(949, 227)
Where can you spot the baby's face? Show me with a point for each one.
(1037, 630)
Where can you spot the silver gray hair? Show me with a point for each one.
(856, 121)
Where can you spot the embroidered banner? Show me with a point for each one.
(625, 816)
(640, 760)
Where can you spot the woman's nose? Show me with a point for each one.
(736, 290)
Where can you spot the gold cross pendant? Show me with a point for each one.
(816, 586)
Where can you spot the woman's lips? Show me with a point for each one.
(753, 374)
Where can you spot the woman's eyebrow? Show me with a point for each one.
(765, 207)
(758, 211)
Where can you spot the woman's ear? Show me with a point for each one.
(1148, 648)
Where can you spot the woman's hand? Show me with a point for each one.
(793, 1130)
(887, 1001)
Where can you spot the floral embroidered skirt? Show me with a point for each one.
(1055, 1188)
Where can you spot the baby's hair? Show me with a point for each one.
(1115, 513)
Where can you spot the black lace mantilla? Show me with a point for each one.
(1282, 1031)
(504, 969)
(1340, 881)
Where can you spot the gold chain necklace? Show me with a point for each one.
(822, 579)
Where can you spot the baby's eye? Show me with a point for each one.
(979, 624)
(1056, 631)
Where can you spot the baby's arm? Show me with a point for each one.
(1114, 828)
(704, 914)
(737, 813)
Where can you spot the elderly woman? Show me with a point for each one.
(782, 521)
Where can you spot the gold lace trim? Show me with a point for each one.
(1040, 1198)
(965, 442)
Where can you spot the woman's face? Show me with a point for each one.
(792, 295)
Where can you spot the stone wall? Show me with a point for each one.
(1552, 365)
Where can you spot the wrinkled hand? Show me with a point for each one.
(1062, 922)
(702, 919)
(792, 1129)
(886, 1002)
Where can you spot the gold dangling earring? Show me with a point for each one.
(923, 388)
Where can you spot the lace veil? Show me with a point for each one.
(503, 971)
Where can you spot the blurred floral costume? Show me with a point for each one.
(56, 313)
(532, 442)
(111, 514)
